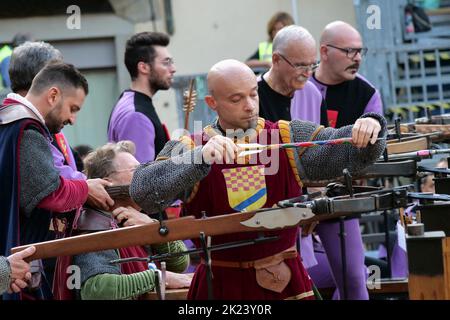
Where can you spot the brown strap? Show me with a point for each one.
(287, 254)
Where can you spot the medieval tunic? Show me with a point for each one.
(31, 187)
(179, 171)
(214, 197)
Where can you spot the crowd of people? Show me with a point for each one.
(296, 98)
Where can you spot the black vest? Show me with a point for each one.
(349, 99)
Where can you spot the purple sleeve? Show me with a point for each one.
(139, 129)
(306, 104)
(307, 251)
(375, 104)
(64, 170)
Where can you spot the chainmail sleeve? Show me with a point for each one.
(172, 176)
(38, 176)
(327, 162)
(5, 272)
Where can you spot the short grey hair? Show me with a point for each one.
(27, 60)
(290, 34)
(99, 163)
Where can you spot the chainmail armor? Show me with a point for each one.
(5, 272)
(327, 162)
(173, 178)
(38, 176)
(168, 179)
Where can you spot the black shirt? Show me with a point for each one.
(272, 105)
(348, 100)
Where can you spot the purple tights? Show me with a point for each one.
(356, 271)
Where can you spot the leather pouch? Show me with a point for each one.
(273, 277)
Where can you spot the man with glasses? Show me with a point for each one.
(134, 117)
(293, 61)
(348, 96)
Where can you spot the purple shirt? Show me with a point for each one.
(127, 124)
(67, 171)
(306, 103)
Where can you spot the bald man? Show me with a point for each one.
(204, 171)
(293, 61)
(347, 94)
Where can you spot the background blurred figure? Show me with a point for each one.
(79, 153)
(151, 68)
(262, 58)
(5, 56)
(427, 182)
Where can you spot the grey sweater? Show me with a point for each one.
(5, 272)
(174, 177)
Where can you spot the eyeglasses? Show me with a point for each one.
(351, 52)
(167, 62)
(300, 67)
(132, 170)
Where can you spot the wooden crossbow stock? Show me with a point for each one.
(289, 214)
(436, 127)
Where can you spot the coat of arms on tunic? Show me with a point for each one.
(246, 187)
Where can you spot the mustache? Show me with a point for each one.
(353, 66)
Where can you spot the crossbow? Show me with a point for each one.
(288, 214)
(438, 126)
